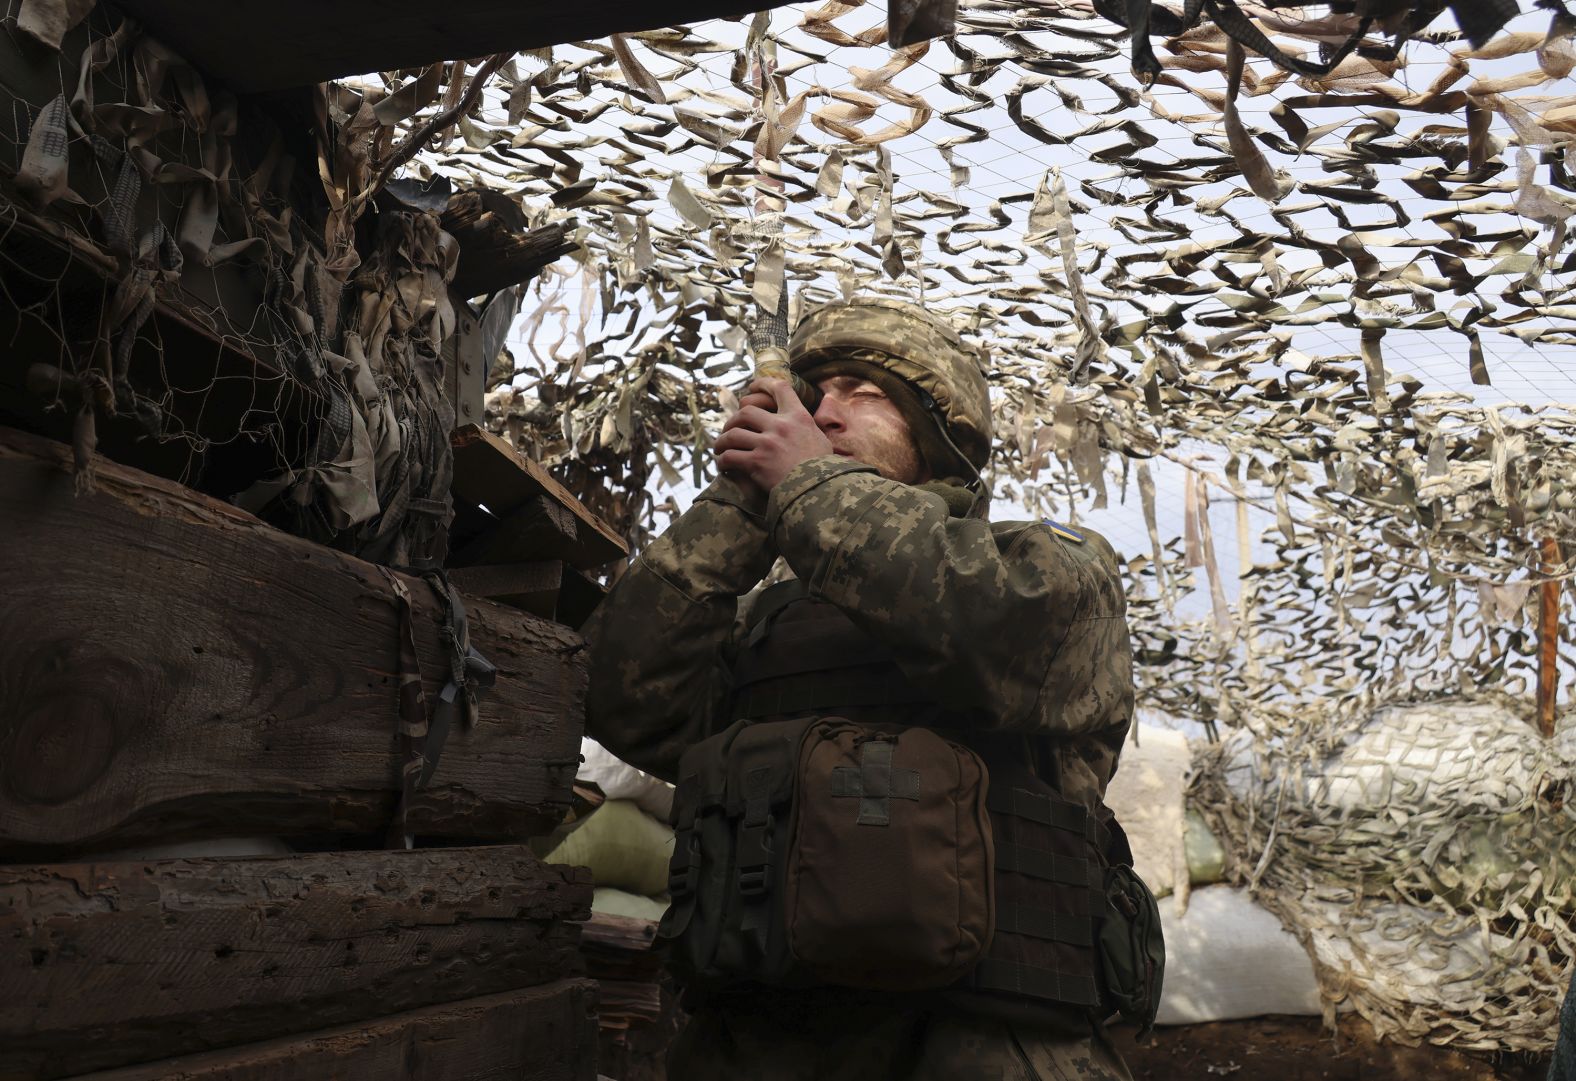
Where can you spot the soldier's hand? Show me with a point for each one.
(754, 398)
(758, 398)
(765, 444)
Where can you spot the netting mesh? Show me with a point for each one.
(174, 285)
(1290, 297)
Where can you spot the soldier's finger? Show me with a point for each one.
(758, 400)
(751, 417)
(738, 462)
(736, 439)
(783, 393)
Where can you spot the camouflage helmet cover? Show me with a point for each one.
(913, 345)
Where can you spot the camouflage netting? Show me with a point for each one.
(1425, 858)
(1254, 255)
(1257, 258)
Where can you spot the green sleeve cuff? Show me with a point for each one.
(727, 491)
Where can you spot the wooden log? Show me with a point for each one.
(171, 667)
(488, 472)
(265, 46)
(112, 963)
(540, 1034)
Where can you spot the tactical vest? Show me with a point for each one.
(803, 656)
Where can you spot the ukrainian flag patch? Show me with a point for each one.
(1066, 532)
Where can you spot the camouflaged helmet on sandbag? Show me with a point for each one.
(904, 340)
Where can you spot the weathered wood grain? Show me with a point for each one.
(172, 667)
(112, 963)
(489, 472)
(541, 1034)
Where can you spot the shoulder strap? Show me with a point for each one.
(773, 599)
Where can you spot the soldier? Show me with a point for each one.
(907, 608)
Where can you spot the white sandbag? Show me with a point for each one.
(619, 780)
(611, 902)
(624, 846)
(1227, 958)
(1146, 795)
(1460, 756)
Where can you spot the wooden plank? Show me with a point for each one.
(530, 586)
(540, 1034)
(488, 472)
(256, 45)
(540, 528)
(114, 963)
(173, 667)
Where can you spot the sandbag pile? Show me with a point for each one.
(1226, 957)
(1425, 857)
(627, 841)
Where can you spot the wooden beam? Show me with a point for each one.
(1549, 637)
(488, 472)
(256, 45)
(171, 667)
(540, 1034)
(162, 957)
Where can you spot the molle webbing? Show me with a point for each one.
(1043, 808)
(1035, 981)
(1049, 892)
(1018, 919)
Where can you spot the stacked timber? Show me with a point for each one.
(639, 1014)
(519, 537)
(265, 797)
(178, 671)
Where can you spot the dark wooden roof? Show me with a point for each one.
(254, 46)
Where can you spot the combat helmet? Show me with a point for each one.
(922, 363)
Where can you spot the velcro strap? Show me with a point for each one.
(1036, 922)
(828, 691)
(1014, 978)
(1044, 809)
(686, 803)
(848, 781)
(1047, 866)
(684, 866)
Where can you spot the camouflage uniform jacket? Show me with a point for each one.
(1008, 623)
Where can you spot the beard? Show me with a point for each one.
(892, 453)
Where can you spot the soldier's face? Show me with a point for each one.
(862, 423)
